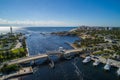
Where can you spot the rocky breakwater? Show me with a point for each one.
(64, 33)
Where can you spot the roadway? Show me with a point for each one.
(72, 51)
(25, 59)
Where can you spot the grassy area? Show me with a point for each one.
(19, 50)
(98, 52)
(12, 54)
(0, 46)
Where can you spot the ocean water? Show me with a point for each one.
(72, 69)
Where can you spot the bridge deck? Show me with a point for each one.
(73, 50)
(25, 59)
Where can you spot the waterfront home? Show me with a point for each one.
(108, 40)
(84, 36)
(116, 56)
(99, 35)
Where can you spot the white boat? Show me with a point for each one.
(96, 62)
(118, 72)
(107, 66)
(87, 59)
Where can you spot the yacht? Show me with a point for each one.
(87, 59)
(118, 72)
(107, 66)
(96, 62)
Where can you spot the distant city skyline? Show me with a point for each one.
(60, 13)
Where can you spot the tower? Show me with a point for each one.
(11, 29)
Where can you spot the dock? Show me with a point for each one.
(21, 72)
(104, 61)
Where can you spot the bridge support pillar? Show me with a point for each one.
(61, 56)
(33, 62)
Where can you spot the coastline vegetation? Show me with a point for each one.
(8, 52)
(9, 68)
(105, 41)
(96, 40)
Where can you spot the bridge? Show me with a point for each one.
(73, 51)
(35, 57)
(26, 59)
(39, 56)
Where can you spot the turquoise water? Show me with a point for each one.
(64, 70)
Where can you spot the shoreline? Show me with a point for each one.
(22, 40)
(114, 63)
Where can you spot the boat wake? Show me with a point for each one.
(77, 71)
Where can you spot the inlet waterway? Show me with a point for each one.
(39, 40)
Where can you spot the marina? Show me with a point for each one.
(59, 39)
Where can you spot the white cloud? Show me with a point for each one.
(34, 23)
(4, 29)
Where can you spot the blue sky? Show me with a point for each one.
(60, 12)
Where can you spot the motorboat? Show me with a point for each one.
(96, 62)
(87, 59)
(107, 66)
(118, 72)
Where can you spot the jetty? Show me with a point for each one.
(72, 45)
